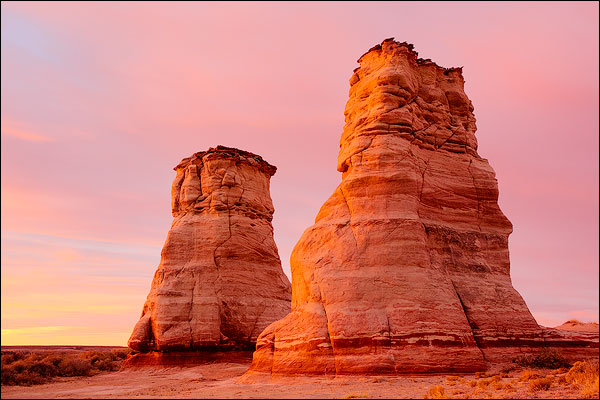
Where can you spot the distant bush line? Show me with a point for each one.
(34, 368)
(546, 358)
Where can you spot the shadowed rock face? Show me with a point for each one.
(220, 281)
(406, 268)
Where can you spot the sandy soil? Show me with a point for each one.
(221, 380)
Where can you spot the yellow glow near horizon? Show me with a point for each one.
(62, 335)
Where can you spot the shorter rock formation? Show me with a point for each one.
(220, 281)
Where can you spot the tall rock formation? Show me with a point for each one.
(220, 281)
(406, 269)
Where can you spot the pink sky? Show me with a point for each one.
(101, 100)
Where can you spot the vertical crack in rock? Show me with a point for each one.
(217, 277)
(462, 304)
(423, 178)
(258, 315)
(468, 320)
(391, 351)
(329, 335)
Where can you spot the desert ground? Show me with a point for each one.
(221, 378)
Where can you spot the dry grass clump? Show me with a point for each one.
(528, 375)
(590, 389)
(497, 385)
(481, 374)
(472, 383)
(31, 368)
(584, 374)
(483, 384)
(356, 396)
(436, 392)
(538, 384)
(452, 378)
(480, 393)
(582, 371)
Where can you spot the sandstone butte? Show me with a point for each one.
(406, 269)
(219, 282)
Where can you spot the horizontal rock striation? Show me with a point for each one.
(406, 269)
(220, 281)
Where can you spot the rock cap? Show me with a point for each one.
(390, 45)
(230, 152)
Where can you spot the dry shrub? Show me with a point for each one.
(540, 384)
(584, 374)
(483, 384)
(582, 371)
(9, 357)
(26, 368)
(590, 389)
(481, 374)
(497, 385)
(508, 387)
(121, 354)
(355, 396)
(462, 380)
(451, 378)
(545, 358)
(472, 383)
(480, 393)
(105, 360)
(548, 358)
(528, 375)
(436, 392)
(71, 366)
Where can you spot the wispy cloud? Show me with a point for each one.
(9, 129)
(34, 330)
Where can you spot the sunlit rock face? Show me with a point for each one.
(406, 269)
(220, 281)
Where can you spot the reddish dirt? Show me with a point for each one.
(221, 379)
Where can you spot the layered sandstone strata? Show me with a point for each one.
(406, 269)
(220, 281)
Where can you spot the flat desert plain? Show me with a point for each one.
(222, 378)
